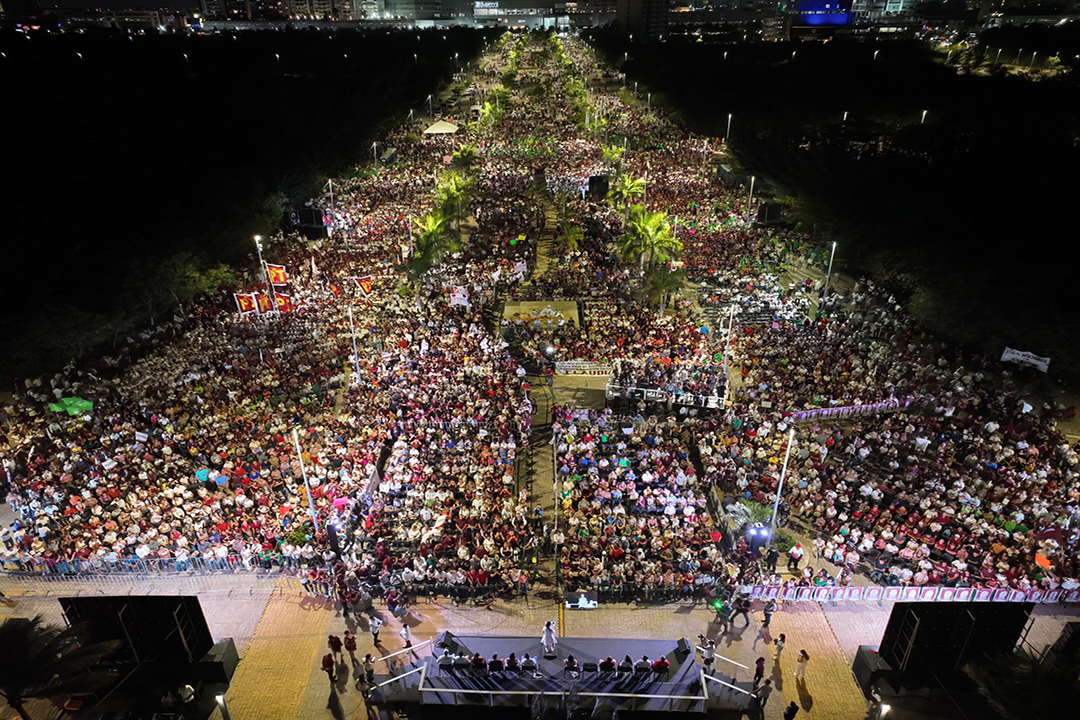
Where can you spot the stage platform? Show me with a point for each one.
(542, 313)
(682, 689)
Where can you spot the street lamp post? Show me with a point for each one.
(728, 133)
(783, 474)
(307, 485)
(845, 117)
(355, 353)
(1033, 59)
(998, 58)
(220, 698)
(875, 54)
(648, 102)
(750, 204)
(923, 120)
(828, 275)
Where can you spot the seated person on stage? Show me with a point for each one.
(626, 665)
(512, 663)
(446, 659)
(571, 663)
(495, 664)
(661, 665)
(607, 664)
(643, 664)
(478, 662)
(528, 664)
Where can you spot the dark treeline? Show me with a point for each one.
(967, 216)
(135, 175)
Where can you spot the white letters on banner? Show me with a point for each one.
(1019, 356)
(907, 594)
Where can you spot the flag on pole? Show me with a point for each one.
(335, 289)
(276, 274)
(245, 303)
(520, 268)
(314, 270)
(495, 275)
(263, 301)
(284, 303)
(366, 284)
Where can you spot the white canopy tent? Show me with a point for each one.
(441, 127)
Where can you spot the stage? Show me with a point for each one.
(682, 688)
(542, 313)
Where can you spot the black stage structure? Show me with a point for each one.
(685, 687)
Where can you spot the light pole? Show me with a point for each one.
(923, 120)
(355, 354)
(266, 272)
(648, 102)
(783, 474)
(223, 706)
(845, 117)
(750, 204)
(307, 485)
(875, 54)
(430, 111)
(415, 60)
(793, 54)
(828, 275)
(998, 58)
(728, 133)
(1018, 53)
(1033, 59)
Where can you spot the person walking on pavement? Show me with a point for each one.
(762, 693)
(334, 643)
(791, 711)
(759, 670)
(800, 664)
(778, 647)
(328, 667)
(375, 624)
(369, 668)
(350, 646)
(795, 555)
(708, 652)
(770, 608)
(742, 607)
(723, 618)
(771, 557)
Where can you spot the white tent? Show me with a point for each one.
(441, 127)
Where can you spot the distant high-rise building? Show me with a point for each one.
(881, 9)
(644, 18)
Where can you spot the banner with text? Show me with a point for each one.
(840, 413)
(876, 593)
(1019, 356)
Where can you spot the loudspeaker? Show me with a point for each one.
(868, 666)
(683, 648)
(943, 636)
(151, 628)
(219, 665)
(599, 186)
(451, 642)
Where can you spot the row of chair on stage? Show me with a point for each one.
(477, 666)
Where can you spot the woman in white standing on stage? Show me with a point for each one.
(549, 639)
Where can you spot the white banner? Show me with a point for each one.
(575, 367)
(1020, 356)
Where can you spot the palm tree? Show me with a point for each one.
(42, 661)
(624, 191)
(1020, 687)
(453, 195)
(563, 212)
(662, 283)
(431, 233)
(416, 270)
(466, 158)
(571, 239)
(648, 238)
(612, 155)
(744, 513)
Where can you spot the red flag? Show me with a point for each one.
(284, 303)
(276, 274)
(335, 289)
(263, 302)
(1042, 561)
(366, 284)
(245, 303)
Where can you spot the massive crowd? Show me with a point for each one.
(410, 445)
